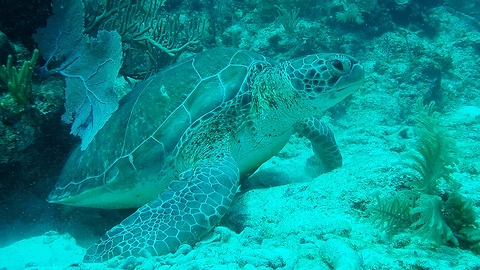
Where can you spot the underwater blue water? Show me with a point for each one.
(404, 195)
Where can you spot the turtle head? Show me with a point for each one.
(324, 79)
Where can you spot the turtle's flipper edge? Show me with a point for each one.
(323, 143)
(182, 214)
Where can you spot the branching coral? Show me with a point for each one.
(148, 33)
(353, 9)
(18, 81)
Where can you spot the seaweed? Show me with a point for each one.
(392, 214)
(433, 157)
(432, 206)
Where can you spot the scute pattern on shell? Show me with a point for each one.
(136, 144)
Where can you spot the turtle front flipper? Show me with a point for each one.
(324, 146)
(182, 214)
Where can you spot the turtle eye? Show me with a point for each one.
(337, 64)
(340, 65)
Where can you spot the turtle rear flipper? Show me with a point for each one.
(182, 214)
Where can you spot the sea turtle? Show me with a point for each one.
(180, 142)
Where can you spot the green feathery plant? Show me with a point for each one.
(441, 215)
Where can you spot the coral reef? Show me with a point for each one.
(18, 81)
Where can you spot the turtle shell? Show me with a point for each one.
(125, 165)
